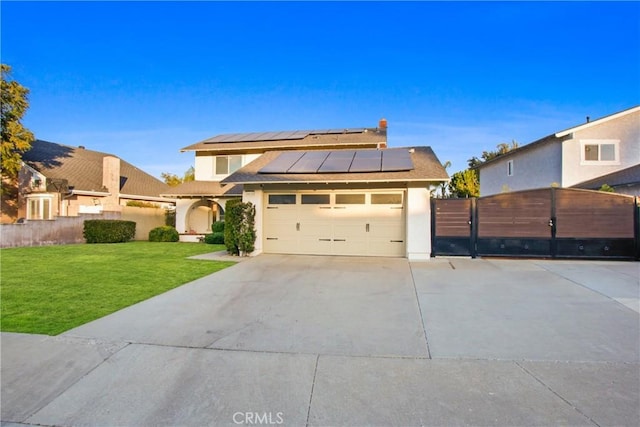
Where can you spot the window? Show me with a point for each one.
(350, 199)
(600, 152)
(39, 208)
(386, 199)
(315, 199)
(225, 165)
(282, 199)
(510, 168)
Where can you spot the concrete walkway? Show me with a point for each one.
(331, 341)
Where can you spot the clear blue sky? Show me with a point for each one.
(143, 79)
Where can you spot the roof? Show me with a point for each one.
(426, 168)
(559, 136)
(203, 189)
(624, 177)
(292, 140)
(82, 169)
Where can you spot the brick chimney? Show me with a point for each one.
(382, 124)
(111, 182)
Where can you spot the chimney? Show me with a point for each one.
(382, 124)
(111, 182)
(588, 119)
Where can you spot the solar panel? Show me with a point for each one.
(258, 136)
(367, 161)
(282, 163)
(310, 162)
(396, 160)
(337, 162)
(340, 161)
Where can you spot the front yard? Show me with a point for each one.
(49, 290)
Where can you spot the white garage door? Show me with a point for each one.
(335, 223)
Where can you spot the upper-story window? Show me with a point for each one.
(600, 151)
(224, 165)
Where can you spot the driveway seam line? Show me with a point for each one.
(581, 285)
(25, 421)
(313, 384)
(532, 375)
(424, 327)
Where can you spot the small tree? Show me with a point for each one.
(239, 227)
(16, 139)
(465, 184)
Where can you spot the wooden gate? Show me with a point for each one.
(550, 222)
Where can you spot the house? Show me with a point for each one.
(201, 202)
(60, 180)
(602, 151)
(330, 192)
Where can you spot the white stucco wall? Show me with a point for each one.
(625, 130)
(538, 167)
(418, 224)
(204, 166)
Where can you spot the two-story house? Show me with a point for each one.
(597, 152)
(333, 192)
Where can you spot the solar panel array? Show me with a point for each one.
(277, 136)
(342, 161)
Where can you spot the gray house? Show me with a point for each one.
(602, 151)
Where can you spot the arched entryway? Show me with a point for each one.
(201, 215)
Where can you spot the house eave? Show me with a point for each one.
(596, 122)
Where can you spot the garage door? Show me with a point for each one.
(335, 223)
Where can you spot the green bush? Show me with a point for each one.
(239, 230)
(166, 233)
(108, 231)
(216, 238)
(231, 226)
(218, 227)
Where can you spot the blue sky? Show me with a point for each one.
(143, 79)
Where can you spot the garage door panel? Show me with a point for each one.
(352, 246)
(386, 247)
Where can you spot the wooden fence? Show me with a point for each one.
(550, 222)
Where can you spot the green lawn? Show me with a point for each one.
(48, 290)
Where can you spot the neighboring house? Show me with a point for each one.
(602, 151)
(59, 180)
(334, 192)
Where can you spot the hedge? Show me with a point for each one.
(216, 238)
(218, 227)
(166, 233)
(108, 231)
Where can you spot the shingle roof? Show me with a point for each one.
(427, 168)
(291, 140)
(628, 176)
(203, 189)
(83, 169)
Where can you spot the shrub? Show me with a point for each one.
(239, 230)
(230, 226)
(166, 233)
(216, 238)
(218, 227)
(108, 231)
(141, 204)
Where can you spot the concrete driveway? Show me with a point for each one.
(297, 340)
